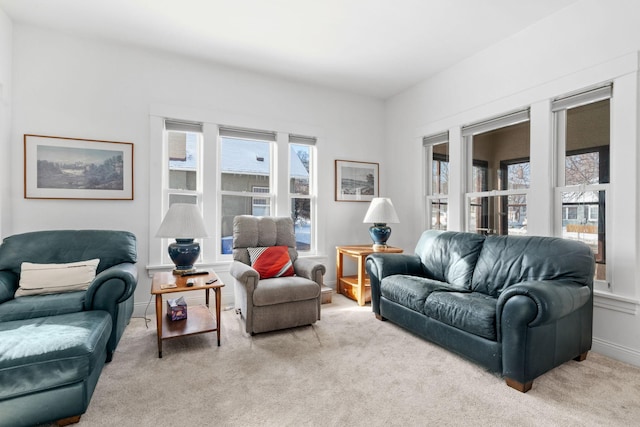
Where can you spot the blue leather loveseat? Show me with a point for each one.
(53, 345)
(517, 305)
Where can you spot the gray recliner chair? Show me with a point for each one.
(270, 304)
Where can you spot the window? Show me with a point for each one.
(301, 191)
(582, 126)
(245, 177)
(437, 186)
(499, 178)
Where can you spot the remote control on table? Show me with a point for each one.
(194, 273)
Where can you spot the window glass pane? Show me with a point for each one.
(587, 144)
(183, 198)
(299, 157)
(495, 150)
(517, 175)
(440, 169)
(245, 163)
(503, 215)
(183, 160)
(301, 215)
(584, 220)
(439, 214)
(232, 206)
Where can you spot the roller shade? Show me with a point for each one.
(435, 139)
(261, 135)
(180, 126)
(303, 140)
(583, 98)
(496, 123)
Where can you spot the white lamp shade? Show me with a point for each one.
(381, 211)
(182, 221)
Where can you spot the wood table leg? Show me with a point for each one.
(159, 323)
(362, 275)
(338, 271)
(218, 303)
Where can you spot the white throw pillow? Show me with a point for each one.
(36, 279)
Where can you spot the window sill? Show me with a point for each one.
(610, 301)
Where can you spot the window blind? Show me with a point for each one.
(582, 98)
(435, 139)
(303, 140)
(496, 123)
(261, 135)
(180, 126)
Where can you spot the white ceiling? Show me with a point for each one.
(372, 47)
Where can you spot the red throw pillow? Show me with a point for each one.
(272, 261)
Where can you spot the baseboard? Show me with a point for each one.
(616, 351)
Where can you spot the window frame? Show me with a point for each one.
(432, 198)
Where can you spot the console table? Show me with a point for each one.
(356, 287)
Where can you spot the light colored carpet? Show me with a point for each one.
(349, 369)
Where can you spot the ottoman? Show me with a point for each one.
(49, 366)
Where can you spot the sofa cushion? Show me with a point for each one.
(411, 291)
(48, 352)
(448, 256)
(507, 260)
(42, 305)
(472, 312)
(37, 279)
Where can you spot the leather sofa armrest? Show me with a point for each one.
(381, 265)
(111, 287)
(550, 300)
(8, 285)
(310, 269)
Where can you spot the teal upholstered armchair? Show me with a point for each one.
(111, 290)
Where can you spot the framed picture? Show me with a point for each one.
(71, 168)
(356, 181)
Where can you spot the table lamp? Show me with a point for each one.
(183, 222)
(381, 212)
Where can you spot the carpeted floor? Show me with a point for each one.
(349, 369)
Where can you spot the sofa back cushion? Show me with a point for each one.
(449, 256)
(507, 260)
(64, 246)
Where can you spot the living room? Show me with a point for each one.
(55, 83)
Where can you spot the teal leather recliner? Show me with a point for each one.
(53, 346)
(517, 305)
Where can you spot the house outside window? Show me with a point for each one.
(436, 148)
(499, 174)
(582, 136)
(245, 178)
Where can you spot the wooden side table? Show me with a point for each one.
(199, 318)
(356, 287)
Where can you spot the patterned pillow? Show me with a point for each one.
(272, 261)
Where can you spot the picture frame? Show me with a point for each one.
(73, 168)
(356, 181)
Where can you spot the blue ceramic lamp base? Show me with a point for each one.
(184, 253)
(379, 233)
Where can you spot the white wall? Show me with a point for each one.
(589, 42)
(6, 61)
(73, 87)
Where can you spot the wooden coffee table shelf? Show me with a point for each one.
(199, 317)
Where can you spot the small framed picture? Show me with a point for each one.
(356, 181)
(72, 168)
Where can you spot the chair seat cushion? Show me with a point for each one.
(472, 312)
(48, 352)
(279, 290)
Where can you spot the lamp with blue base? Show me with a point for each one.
(183, 222)
(380, 213)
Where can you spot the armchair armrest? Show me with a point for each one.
(381, 265)
(244, 274)
(310, 269)
(111, 287)
(549, 300)
(8, 285)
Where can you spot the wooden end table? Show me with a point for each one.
(356, 287)
(199, 318)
